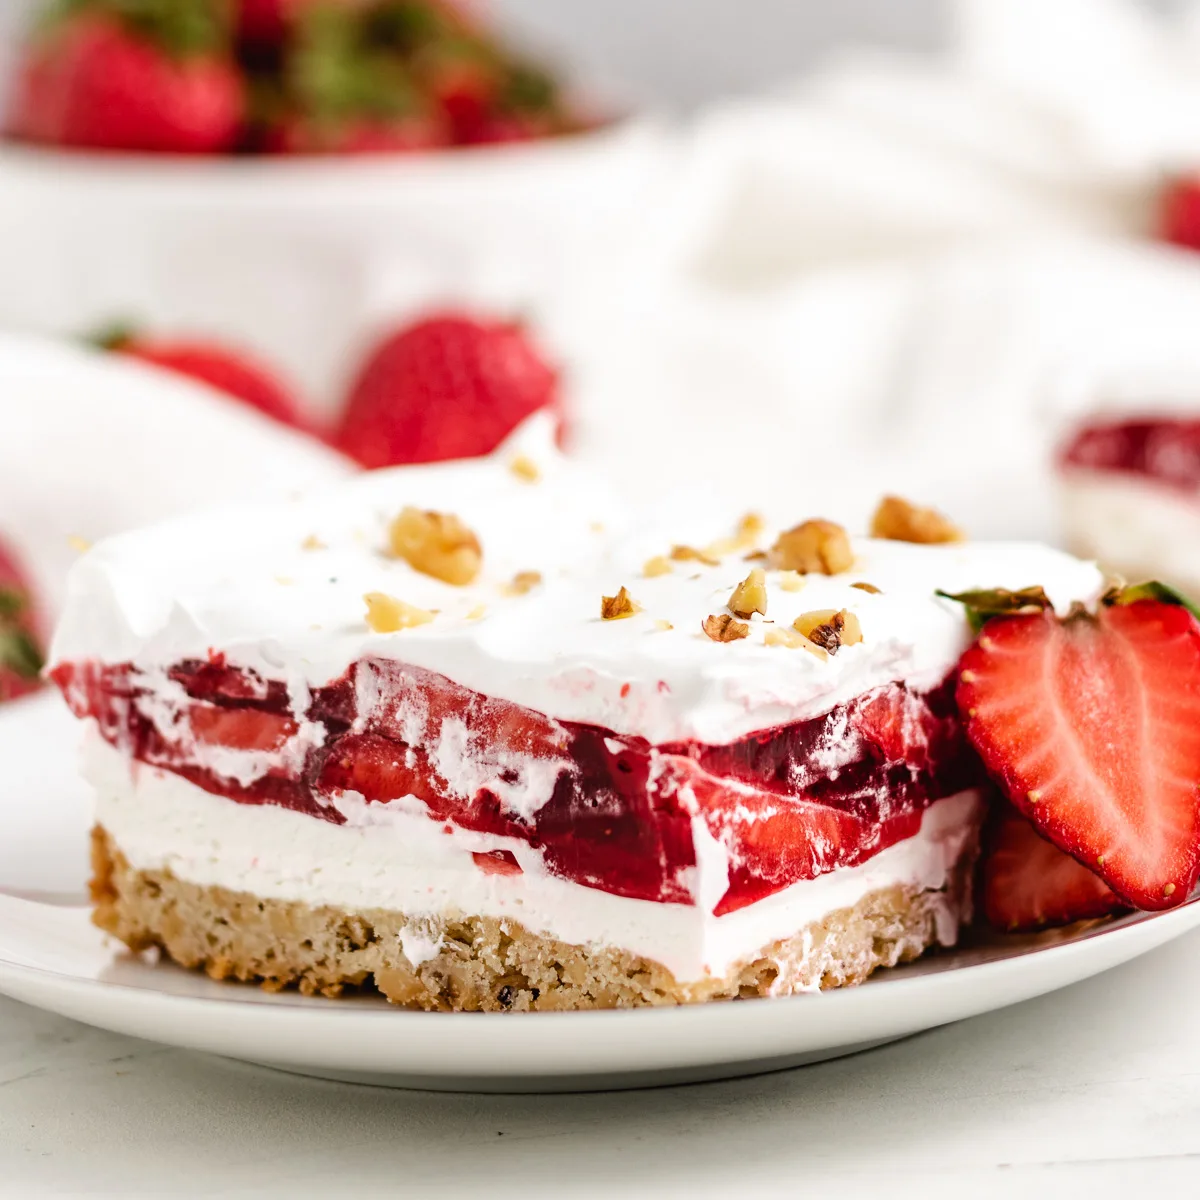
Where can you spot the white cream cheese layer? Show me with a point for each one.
(397, 859)
(279, 589)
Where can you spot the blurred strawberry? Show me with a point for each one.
(448, 386)
(1179, 211)
(463, 76)
(20, 654)
(527, 107)
(156, 75)
(227, 370)
(341, 93)
(266, 22)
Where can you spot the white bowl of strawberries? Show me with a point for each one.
(292, 175)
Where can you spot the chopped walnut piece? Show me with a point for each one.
(780, 635)
(386, 614)
(791, 581)
(523, 467)
(658, 565)
(851, 628)
(664, 625)
(721, 546)
(616, 608)
(750, 596)
(436, 544)
(691, 554)
(868, 587)
(477, 612)
(899, 521)
(312, 542)
(829, 628)
(814, 547)
(749, 529)
(721, 627)
(522, 583)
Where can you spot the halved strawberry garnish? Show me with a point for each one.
(1028, 883)
(1091, 726)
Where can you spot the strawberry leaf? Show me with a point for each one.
(1151, 590)
(19, 654)
(12, 604)
(182, 28)
(987, 603)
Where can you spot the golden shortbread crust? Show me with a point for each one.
(483, 964)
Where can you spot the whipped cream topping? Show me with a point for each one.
(279, 588)
(394, 858)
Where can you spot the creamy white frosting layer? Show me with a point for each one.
(395, 858)
(1133, 525)
(242, 582)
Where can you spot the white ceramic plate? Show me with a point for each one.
(50, 956)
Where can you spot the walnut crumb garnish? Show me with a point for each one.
(749, 529)
(522, 583)
(691, 554)
(721, 627)
(523, 467)
(829, 628)
(899, 521)
(750, 596)
(661, 624)
(616, 608)
(779, 635)
(477, 612)
(868, 587)
(436, 544)
(791, 581)
(386, 614)
(658, 565)
(814, 547)
(312, 542)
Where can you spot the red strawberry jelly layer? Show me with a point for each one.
(1165, 449)
(788, 803)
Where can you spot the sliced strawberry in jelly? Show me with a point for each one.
(774, 840)
(497, 862)
(241, 728)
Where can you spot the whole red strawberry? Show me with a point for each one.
(449, 386)
(1090, 724)
(109, 75)
(20, 655)
(1179, 211)
(230, 371)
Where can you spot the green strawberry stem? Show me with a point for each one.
(983, 605)
(19, 652)
(182, 28)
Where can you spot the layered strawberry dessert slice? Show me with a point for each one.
(1131, 496)
(474, 734)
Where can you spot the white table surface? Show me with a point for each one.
(1097, 1086)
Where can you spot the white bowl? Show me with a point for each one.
(302, 259)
